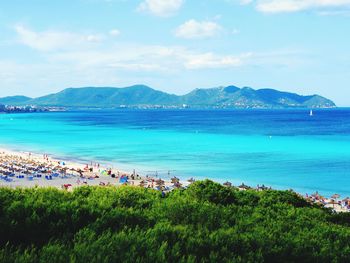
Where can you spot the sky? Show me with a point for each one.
(300, 46)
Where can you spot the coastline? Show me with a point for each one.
(298, 156)
(100, 174)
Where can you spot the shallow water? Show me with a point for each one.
(280, 148)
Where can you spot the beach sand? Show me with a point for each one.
(73, 174)
(98, 176)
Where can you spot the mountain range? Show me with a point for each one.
(144, 96)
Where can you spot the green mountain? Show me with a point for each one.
(14, 100)
(106, 97)
(143, 96)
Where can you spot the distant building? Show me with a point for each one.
(24, 109)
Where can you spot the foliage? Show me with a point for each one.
(204, 223)
(106, 97)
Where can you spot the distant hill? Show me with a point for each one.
(143, 96)
(14, 100)
(107, 97)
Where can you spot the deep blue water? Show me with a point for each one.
(280, 148)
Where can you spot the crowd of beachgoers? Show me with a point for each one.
(19, 169)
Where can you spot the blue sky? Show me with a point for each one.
(176, 45)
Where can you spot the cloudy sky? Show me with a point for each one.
(176, 45)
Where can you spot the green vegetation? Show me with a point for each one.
(205, 223)
(14, 100)
(140, 95)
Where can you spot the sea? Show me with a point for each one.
(284, 149)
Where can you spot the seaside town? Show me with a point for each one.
(19, 169)
(27, 109)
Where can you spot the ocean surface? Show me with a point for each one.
(279, 148)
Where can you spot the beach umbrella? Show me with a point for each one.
(160, 182)
(263, 187)
(321, 197)
(333, 202)
(315, 194)
(123, 180)
(347, 199)
(335, 196)
(243, 186)
(175, 179)
(228, 184)
(177, 185)
(191, 180)
(143, 183)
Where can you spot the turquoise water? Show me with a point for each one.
(281, 148)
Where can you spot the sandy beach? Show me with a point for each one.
(27, 169)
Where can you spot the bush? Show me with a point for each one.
(204, 223)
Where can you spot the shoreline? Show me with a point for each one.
(101, 174)
(93, 174)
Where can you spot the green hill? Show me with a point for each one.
(106, 97)
(15, 100)
(140, 95)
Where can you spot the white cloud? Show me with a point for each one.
(127, 63)
(52, 40)
(23, 79)
(210, 60)
(193, 29)
(148, 58)
(334, 13)
(280, 58)
(162, 8)
(114, 32)
(94, 38)
(280, 6)
(240, 2)
(136, 66)
(245, 2)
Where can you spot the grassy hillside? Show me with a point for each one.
(15, 100)
(205, 223)
(140, 95)
(107, 97)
